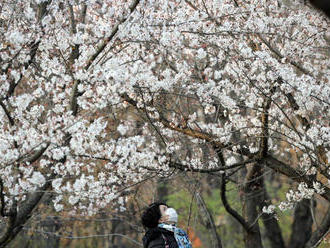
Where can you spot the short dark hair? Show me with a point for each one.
(151, 215)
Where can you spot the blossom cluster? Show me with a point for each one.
(109, 93)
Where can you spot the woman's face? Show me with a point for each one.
(162, 209)
(164, 218)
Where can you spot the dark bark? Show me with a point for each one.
(294, 174)
(272, 228)
(323, 5)
(19, 218)
(302, 224)
(228, 208)
(320, 232)
(251, 198)
(252, 238)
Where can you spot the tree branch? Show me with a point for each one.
(18, 219)
(184, 168)
(228, 208)
(272, 228)
(263, 149)
(191, 5)
(275, 51)
(100, 49)
(2, 199)
(34, 157)
(294, 174)
(321, 232)
(111, 36)
(206, 217)
(11, 121)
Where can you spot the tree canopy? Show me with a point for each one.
(98, 96)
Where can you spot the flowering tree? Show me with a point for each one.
(213, 86)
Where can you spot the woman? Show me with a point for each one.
(160, 223)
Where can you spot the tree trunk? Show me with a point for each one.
(251, 198)
(302, 224)
(272, 229)
(320, 232)
(252, 237)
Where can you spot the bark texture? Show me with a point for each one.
(302, 225)
(272, 228)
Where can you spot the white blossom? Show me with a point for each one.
(268, 209)
(318, 188)
(122, 129)
(73, 199)
(37, 179)
(171, 71)
(56, 183)
(209, 109)
(201, 53)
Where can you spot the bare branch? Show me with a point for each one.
(206, 216)
(72, 20)
(229, 209)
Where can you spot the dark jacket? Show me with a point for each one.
(154, 238)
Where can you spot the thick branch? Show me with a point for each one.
(294, 174)
(73, 98)
(263, 149)
(272, 228)
(228, 208)
(27, 206)
(185, 130)
(72, 20)
(321, 232)
(4, 238)
(184, 168)
(75, 48)
(17, 220)
(295, 106)
(302, 225)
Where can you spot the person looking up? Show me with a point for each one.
(160, 222)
